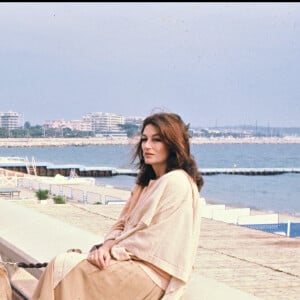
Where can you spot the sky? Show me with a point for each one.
(213, 63)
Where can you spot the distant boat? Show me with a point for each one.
(12, 159)
(17, 161)
(59, 179)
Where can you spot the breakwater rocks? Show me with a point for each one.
(59, 142)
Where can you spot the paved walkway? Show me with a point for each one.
(262, 264)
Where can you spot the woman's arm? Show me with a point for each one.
(100, 255)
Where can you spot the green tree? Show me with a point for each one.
(59, 199)
(42, 194)
(27, 125)
(131, 129)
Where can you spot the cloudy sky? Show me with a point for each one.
(212, 63)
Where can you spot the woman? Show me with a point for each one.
(149, 252)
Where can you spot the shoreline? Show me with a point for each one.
(28, 196)
(97, 141)
(122, 193)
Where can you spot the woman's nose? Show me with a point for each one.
(147, 144)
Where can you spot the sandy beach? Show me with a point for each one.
(59, 142)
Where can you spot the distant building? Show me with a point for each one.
(73, 124)
(134, 121)
(101, 123)
(9, 120)
(105, 123)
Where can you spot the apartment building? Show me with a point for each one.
(105, 122)
(9, 120)
(99, 122)
(138, 121)
(72, 124)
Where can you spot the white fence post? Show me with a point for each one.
(288, 232)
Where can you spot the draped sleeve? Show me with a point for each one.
(119, 226)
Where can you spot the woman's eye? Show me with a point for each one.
(144, 139)
(157, 139)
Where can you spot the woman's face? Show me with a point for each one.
(154, 149)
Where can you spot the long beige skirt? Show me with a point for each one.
(122, 280)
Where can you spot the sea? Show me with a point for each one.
(274, 193)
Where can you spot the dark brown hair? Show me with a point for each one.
(174, 133)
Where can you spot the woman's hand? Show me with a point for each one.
(101, 257)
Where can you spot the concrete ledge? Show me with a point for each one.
(230, 215)
(23, 284)
(40, 236)
(208, 210)
(259, 219)
(29, 236)
(11, 253)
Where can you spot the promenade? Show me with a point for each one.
(259, 263)
(60, 142)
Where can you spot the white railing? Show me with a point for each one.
(71, 193)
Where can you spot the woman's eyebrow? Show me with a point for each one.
(154, 135)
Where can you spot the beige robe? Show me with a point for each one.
(160, 224)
